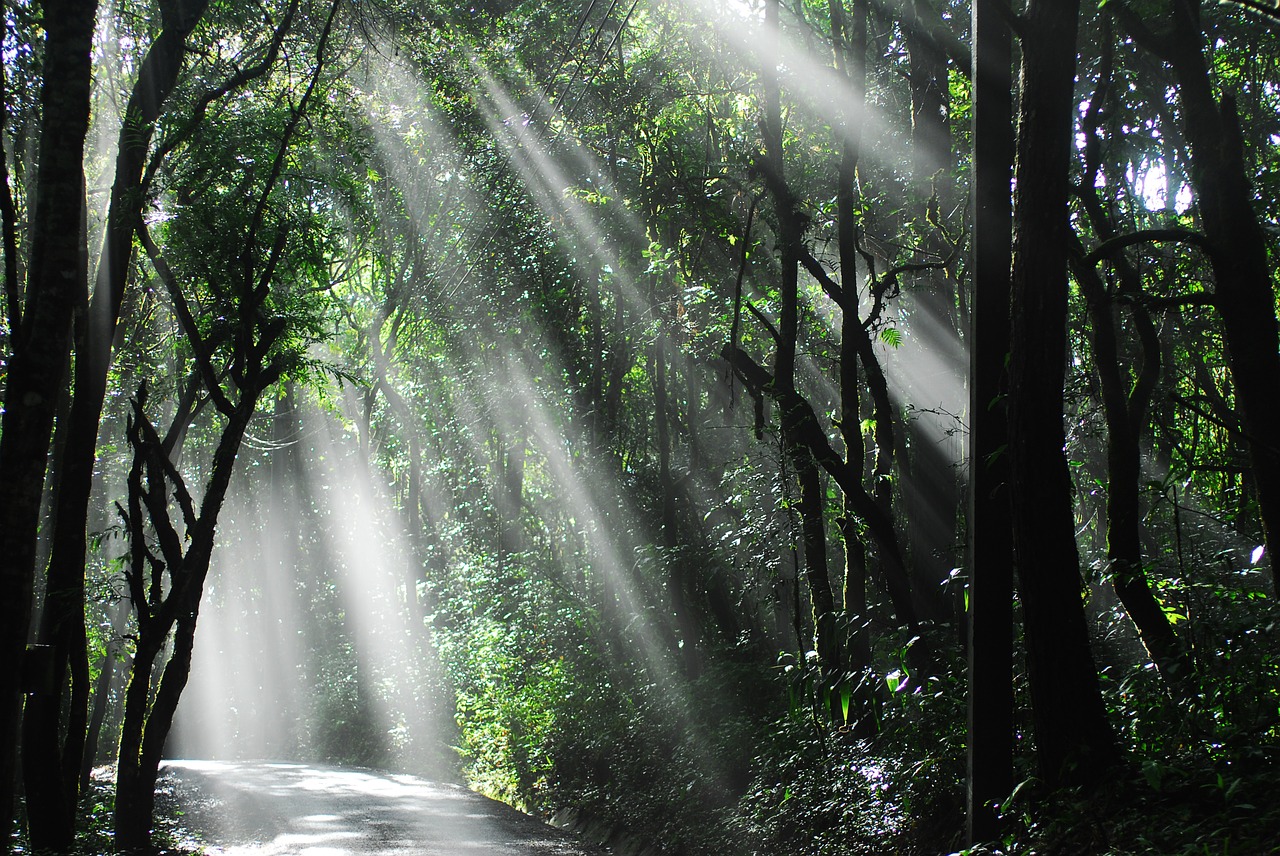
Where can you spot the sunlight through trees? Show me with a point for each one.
(738, 426)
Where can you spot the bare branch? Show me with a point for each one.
(829, 285)
(1184, 236)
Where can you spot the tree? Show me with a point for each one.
(258, 292)
(1074, 742)
(39, 345)
(1125, 409)
(990, 592)
(51, 761)
(1237, 247)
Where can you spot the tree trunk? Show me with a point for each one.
(132, 807)
(52, 761)
(1125, 414)
(812, 505)
(849, 49)
(1242, 276)
(990, 560)
(1125, 406)
(146, 725)
(57, 281)
(1073, 739)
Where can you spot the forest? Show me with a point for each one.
(737, 426)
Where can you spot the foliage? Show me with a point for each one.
(515, 512)
(821, 789)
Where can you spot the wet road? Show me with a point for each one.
(272, 809)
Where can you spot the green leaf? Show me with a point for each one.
(891, 337)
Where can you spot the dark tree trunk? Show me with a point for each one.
(812, 505)
(51, 760)
(1073, 738)
(1244, 294)
(147, 722)
(57, 280)
(134, 799)
(1125, 406)
(990, 590)
(1124, 506)
(136, 781)
(849, 49)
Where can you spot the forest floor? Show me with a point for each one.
(274, 809)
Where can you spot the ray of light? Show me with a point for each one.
(548, 182)
(246, 697)
(805, 74)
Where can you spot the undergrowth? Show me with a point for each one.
(94, 835)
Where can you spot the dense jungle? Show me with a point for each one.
(721, 427)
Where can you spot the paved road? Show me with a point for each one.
(272, 809)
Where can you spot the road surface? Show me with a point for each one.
(273, 809)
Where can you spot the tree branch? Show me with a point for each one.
(1111, 246)
(768, 325)
(829, 285)
(237, 80)
(199, 348)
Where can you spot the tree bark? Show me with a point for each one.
(1073, 738)
(57, 281)
(1242, 276)
(990, 559)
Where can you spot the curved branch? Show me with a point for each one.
(763, 319)
(1111, 246)
(848, 477)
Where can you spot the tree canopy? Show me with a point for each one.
(736, 425)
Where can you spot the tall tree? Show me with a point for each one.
(56, 283)
(1125, 404)
(1073, 738)
(790, 225)
(990, 614)
(260, 335)
(51, 761)
(1243, 289)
